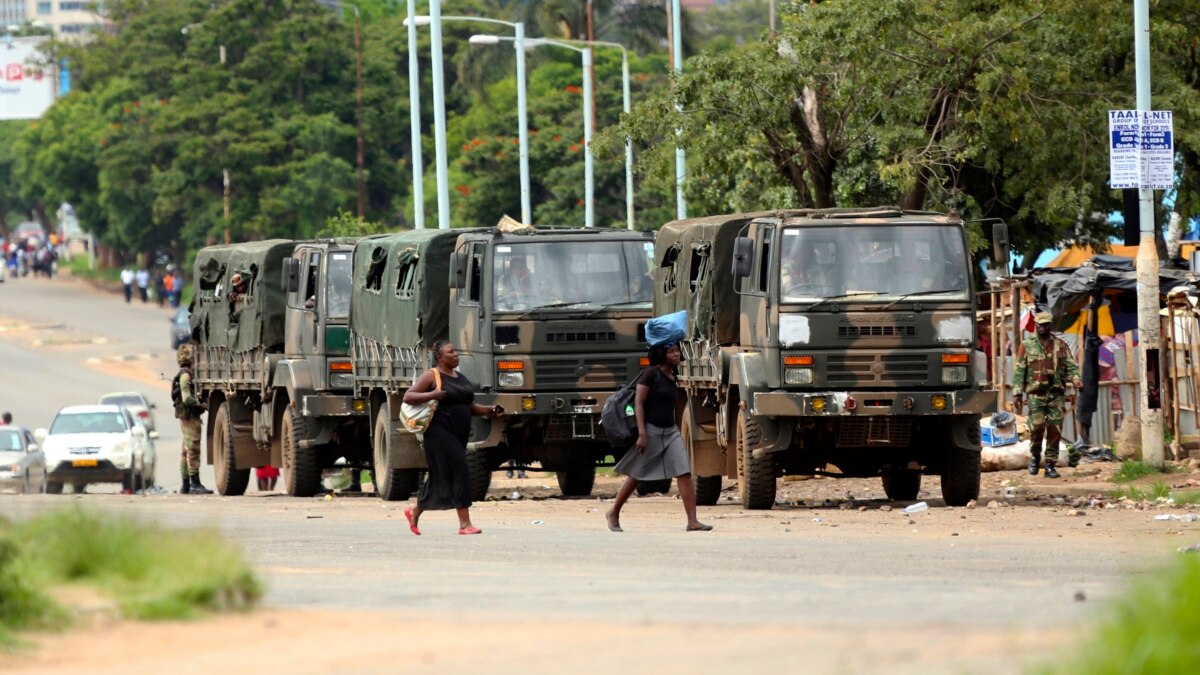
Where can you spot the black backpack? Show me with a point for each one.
(176, 394)
(617, 416)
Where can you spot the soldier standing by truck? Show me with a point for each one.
(188, 411)
(1043, 369)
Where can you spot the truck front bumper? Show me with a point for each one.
(542, 403)
(868, 403)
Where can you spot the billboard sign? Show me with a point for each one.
(26, 85)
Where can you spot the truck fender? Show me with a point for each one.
(747, 372)
(292, 377)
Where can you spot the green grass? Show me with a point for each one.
(1135, 469)
(1151, 629)
(151, 572)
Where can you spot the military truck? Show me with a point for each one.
(272, 363)
(833, 342)
(547, 322)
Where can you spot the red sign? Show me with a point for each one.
(13, 72)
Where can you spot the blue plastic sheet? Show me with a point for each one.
(667, 329)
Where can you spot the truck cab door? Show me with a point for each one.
(756, 288)
(469, 323)
(310, 288)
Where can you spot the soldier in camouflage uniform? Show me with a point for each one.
(1043, 369)
(188, 411)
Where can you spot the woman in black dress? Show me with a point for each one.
(448, 485)
(659, 453)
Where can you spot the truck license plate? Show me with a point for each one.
(83, 462)
(583, 410)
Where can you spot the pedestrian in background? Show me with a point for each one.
(160, 289)
(1043, 369)
(659, 453)
(143, 283)
(266, 476)
(448, 485)
(188, 410)
(6, 419)
(127, 279)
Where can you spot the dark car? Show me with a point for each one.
(22, 465)
(181, 328)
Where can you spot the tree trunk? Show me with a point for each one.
(820, 158)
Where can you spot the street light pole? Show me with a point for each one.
(439, 115)
(414, 105)
(522, 124)
(625, 103)
(677, 64)
(358, 115)
(1147, 259)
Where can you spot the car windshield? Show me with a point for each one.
(10, 439)
(88, 423)
(338, 272)
(572, 274)
(882, 264)
(122, 399)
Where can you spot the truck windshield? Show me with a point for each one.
(882, 264)
(338, 284)
(573, 274)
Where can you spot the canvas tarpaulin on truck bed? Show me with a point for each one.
(257, 319)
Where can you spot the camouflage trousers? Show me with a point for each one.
(189, 462)
(1045, 420)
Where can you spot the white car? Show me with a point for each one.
(97, 444)
(139, 405)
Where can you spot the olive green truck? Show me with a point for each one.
(833, 342)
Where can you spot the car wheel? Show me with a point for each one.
(45, 486)
(54, 488)
(78, 488)
(26, 488)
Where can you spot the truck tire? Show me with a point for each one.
(577, 479)
(649, 487)
(708, 490)
(54, 488)
(480, 471)
(392, 484)
(301, 471)
(901, 485)
(960, 476)
(756, 475)
(231, 482)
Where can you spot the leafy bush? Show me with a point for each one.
(1135, 469)
(1152, 629)
(22, 606)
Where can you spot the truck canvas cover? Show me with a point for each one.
(401, 287)
(259, 321)
(689, 245)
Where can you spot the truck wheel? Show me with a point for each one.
(649, 487)
(577, 480)
(231, 482)
(53, 488)
(301, 472)
(481, 474)
(960, 477)
(708, 490)
(901, 485)
(391, 484)
(756, 475)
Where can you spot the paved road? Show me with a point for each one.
(947, 590)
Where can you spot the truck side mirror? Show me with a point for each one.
(458, 270)
(290, 283)
(743, 256)
(1000, 247)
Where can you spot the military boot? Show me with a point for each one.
(187, 485)
(1034, 459)
(1050, 471)
(197, 488)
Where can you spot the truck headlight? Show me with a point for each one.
(797, 376)
(341, 380)
(954, 375)
(511, 379)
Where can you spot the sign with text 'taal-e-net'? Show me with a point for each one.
(26, 85)
(1141, 149)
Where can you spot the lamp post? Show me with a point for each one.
(519, 43)
(589, 209)
(226, 183)
(414, 114)
(625, 106)
(677, 64)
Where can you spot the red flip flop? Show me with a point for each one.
(411, 525)
(469, 530)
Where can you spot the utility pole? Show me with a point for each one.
(414, 113)
(358, 95)
(677, 64)
(1147, 264)
(439, 115)
(225, 173)
(590, 9)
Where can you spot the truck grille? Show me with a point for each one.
(876, 331)
(874, 430)
(561, 337)
(868, 369)
(565, 372)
